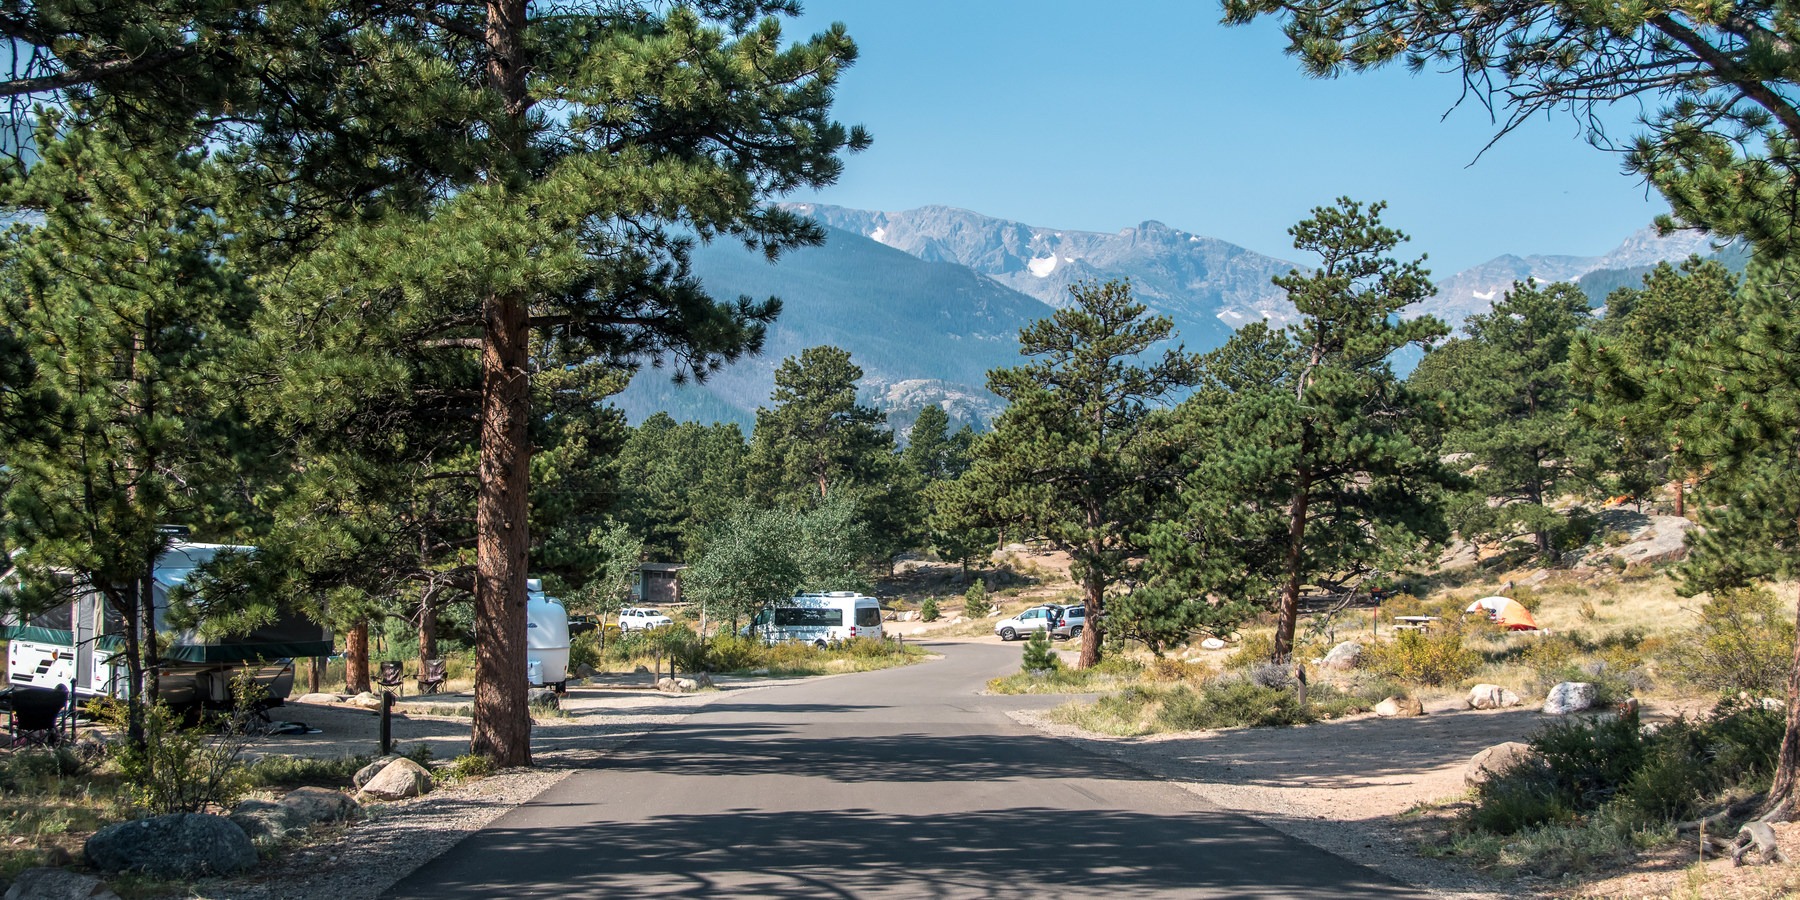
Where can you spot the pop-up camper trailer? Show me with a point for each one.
(81, 644)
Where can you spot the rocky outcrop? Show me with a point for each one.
(1492, 696)
(399, 780)
(178, 845)
(1343, 657)
(1495, 761)
(1400, 708)
(58, 884)
(1569, 697)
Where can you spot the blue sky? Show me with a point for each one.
(1056, 114)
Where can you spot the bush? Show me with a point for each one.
(1038, 655)
(734, 653)
(465, 767)
(1253, 649)
(1744, 641)
(182, 768)
(1418, 658)
(1228, 702)
(929, 611)
(975, 600)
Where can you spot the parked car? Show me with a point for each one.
(1074, 619)
(640, 618)
(1037, 618)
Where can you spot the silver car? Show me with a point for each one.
(1074, 619)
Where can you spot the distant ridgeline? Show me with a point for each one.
(927, 301)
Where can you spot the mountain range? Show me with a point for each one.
(928, 300)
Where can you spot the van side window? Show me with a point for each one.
(788, 617)
(868, 616)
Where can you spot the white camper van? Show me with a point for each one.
(80, 644)
(818, 618)
(546, 639)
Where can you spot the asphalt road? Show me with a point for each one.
(900, 783)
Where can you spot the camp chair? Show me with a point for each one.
(391, 675)
(432, 675)
(36, 714)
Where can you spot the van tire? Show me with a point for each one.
(820, 643)
(1007, 634)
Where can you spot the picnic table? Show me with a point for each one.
(1414, 623)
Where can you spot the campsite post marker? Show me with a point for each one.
(387, 722)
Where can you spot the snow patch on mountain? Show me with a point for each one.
(1042, 266)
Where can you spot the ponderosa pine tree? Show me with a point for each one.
(816, 437)
(1509, 376)
(122, 306)
(680, 480)
(1722, 151)
(1320, 453)
(1069, 459)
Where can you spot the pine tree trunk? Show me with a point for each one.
(502, 719)
(134, 671)
(1680, 499)
(502, 726)
(1090, 632)
(1289, 613)
(356, 658)
(149, 684)
(428, 648)
(1780, 805)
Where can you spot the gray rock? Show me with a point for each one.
(178, 845)
(584, 670)
(702, 680)
(317, 805)
(268, 823)
(399, 780)
(1495, 761)
(366, 700)
(1400, 707)
(1343, 657)
(58, 884)
(367, 773)
(1492, 696)
(1568, 697)
(543, 698)
(319, 698)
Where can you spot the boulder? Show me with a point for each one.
(317, 805)
(319, 698)
(367, 773)
(1492, 696)
(583, 670)
(1568, 697)
(398, 780)
(682, 685)
(702, 680)
(1343, 657)
(641, 670)
(178, 845)
(58, 884)
(366, 700)
(268, 823)
(1495, 760)
(1212, 643)
(1400, 708)
(543, 698)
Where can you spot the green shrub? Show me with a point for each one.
(734, 653)
(1230, 702)
(184, 768)
(975, 600)
(1419, 658)
(465, 767)
(584, 650)
(297, 771)
(929, 611)
(1744, 641)
(1038, 655)
(1253, 649)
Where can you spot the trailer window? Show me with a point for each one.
(868, 616)
(791, 617)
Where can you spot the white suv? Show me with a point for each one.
(1037, 618)
(638, 619)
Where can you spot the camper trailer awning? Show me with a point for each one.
(189, 653)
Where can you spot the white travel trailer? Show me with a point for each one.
(546, 638)
(80, 644)
(818, 618)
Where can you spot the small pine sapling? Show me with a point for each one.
(929, 610)
(975, 600)
(1038, 655)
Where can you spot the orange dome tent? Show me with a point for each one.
(1505, 612)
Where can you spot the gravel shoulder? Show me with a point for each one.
(360, 862)
(1339, 785)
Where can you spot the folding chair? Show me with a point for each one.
(36, 715)
(432, 675)
(392, 675)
